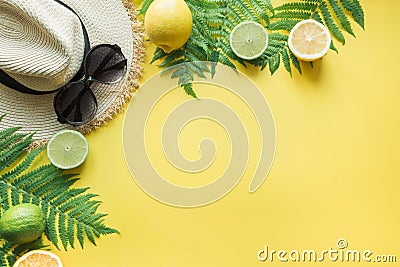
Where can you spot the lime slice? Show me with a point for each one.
(249, 40)
(67, 149)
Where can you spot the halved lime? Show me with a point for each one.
(67, 149)
(249, 40)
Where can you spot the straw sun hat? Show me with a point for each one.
(42, 47)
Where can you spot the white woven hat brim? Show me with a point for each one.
(107, 21)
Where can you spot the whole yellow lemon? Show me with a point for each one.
(168, 24)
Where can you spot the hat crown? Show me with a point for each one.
(41, 43)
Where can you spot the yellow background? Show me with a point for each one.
(335, 174)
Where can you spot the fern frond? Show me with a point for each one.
(358, 13)
(213, 21)
(283, 25)
(246, 9)
(188, 87)
(332, 47)
(145, 6)
(13, 151)
(12, 174)
(242, 13)
(171, 58)
(293, 14)
(267, 6)
(235, 16)
(332, 13)
(295, 62)
(316, 16)
(305, 6)
(341, 16)
(9, 252)
(66, 209)
(330, 23)
(274, 63)
(195, 52)
(158, 54)
(286, 60)
(7, 137)
(260, 9)
(196, 69)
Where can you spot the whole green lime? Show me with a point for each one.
(22, 223)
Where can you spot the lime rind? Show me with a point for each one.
(249, 40)
(22, 223)
(67, 149)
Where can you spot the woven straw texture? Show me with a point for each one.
(37, 49)
(107, 21)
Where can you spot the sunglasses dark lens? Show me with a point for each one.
(75, 104)
(106, 64)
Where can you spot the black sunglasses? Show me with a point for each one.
(75, 102)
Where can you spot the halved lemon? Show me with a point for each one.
(309, 40)
(38, 258)
(249, 40)
(67, 149)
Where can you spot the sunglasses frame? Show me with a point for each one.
(87, 81)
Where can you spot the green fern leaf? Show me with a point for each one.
(188, 87)
(158, 54)
(316, 16)
(200, 43)
(71, 213)
(347, 5)
(283, 25)
(80, 234)
(358, 13)
(197, 52)
(195, 68)
(245, 8)
(177, 73)
(8, 132)
(13, 152)
(225, 49)
(243, 12)
(145, 6)
(235, 16)
(71, 231)
(286, 61)
(171, 58)
(89, 234)
(214, 61)
(8, 137)
(305, 6)
(295, 61)
(51, 230)
(225, 60)
(18, 170)
(260, 9)
(10, 252)
(341, 16)
(274, 63)
(330, 23)
(290, 14)
(332, 47)
(213, 21)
